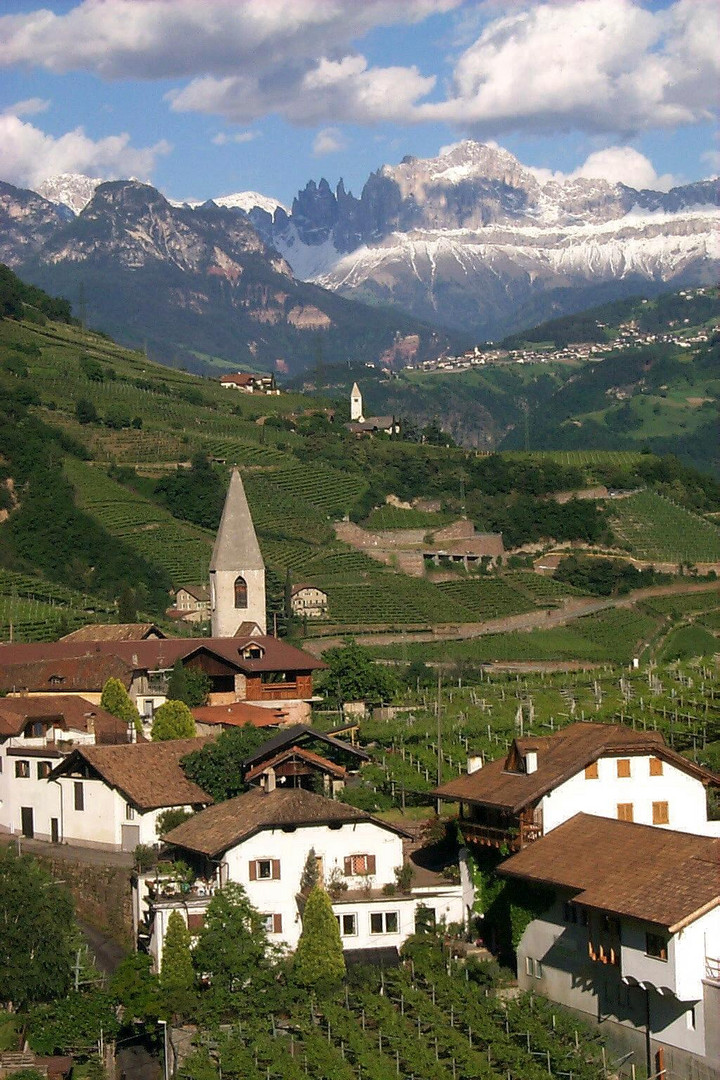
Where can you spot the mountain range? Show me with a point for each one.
(471, 241)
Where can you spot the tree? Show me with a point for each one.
(137, 990)
(127, 605)
(319, 962)
(188, 685)
(177, 976)
(85, 412)
(310, 874)
(36, 930)
(72, 1024)
(232, 944)
(173, 720)
(116, 700)
(218, 767)
(354, 676)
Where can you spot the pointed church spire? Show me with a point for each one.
(356, 404)
(237, 570)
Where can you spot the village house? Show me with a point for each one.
(249, 383)
(262, 840)
(603, 769)
(192, 604)
(630, 937)
(209, 719)
(301, 756)
(112, 796)
(115, 632)
(309, 602)
(368, 425)
(36, 734)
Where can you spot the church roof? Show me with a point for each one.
(236, 545)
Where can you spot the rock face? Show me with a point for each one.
(473, 240)
(184, 280)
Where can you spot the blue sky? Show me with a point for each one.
(208, 97)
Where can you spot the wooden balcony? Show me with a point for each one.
(513, 838)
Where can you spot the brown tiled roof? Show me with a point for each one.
(152, 654)
(639, 871)
(200, 592)
(148, 774)
(238, 714)
(298, 733)
(59, 673)
(221, 827)
(113, 632)
(559, 757)
(76, 713)
(304, 755)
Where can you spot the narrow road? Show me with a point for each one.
(108, 954)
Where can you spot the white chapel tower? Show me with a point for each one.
(237, 570)
(356, 412)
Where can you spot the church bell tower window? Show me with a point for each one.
(241, 592)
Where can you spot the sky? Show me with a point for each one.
(204, 98)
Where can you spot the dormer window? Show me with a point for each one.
(531, 761)
(55, 680)
(252, 652)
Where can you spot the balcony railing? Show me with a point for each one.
(712, 968)
(512, 837)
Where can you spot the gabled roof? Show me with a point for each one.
(559, 756)
(304, 755)
(147, 774)
(638, 871)
(62, 674)
(236, 545)
(297, 734)
(200, 592)
(221, 827)
(114, 632)
(68, 710)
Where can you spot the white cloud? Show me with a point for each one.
(224, 138)
(328, 141)
(30, 155)
(27, 107)
(711, 158)
(617, 165)
(592, 65)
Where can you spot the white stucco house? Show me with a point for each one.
(110, 797)
(262, 840)
(630, 936)
(36, 735)
(605, 769)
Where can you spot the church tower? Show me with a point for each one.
(356, 412)
(237, 570)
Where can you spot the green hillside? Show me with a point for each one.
(113, 470)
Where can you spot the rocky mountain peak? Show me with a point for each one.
(73, 190)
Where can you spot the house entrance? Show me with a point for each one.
(26, 818)
(130, 837)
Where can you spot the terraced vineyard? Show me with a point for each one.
(657, 530)
(182, 549)
(32, 609)
(581, 458)
(396, 517)
(330, 491)
(544, 590)
(391, 600)
(422, 1021)
(486, 598)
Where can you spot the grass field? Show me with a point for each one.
(32, 609)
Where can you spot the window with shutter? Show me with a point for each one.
(656, 766)
(591, 771)
(623, 767)
(195, 921)
(275, 869)
(277, 924)
(660, 813)
(625, 811)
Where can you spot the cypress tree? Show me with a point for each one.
(177, 976)
(319, 963)
(116, 700)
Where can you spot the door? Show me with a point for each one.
(54, 830)
(26, 817)
(130, 837)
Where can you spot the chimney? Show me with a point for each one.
(474, 763)
(269, 781)
(531, 761)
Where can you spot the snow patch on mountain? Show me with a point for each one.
(250, 200)
(69, 189)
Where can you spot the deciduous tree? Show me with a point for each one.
(173, 720)
(116, 700)
(232, 945)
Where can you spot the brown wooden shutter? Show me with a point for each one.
(195, 921)
(623, 767)
(371, 864)
(348, 866)
(253, 870)
(656, 766)
(276, 869)
(625, 811)
(591, 771)
(277, 924)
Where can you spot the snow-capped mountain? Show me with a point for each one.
(69, 189)
(474, 240)
(250, 200)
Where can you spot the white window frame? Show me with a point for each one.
(385, 915)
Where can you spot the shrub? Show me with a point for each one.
(173, 720)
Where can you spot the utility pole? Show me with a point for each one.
(439, 741)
